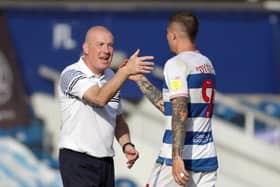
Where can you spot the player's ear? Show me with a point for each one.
(173, 35)
(85, 48)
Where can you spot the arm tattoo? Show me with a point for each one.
(152, 93)
(179, 119)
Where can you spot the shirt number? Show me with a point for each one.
(208, 85)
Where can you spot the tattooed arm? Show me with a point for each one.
(149, 90)
(179, 120)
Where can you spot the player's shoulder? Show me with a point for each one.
(73, 67)
(71, 72)
(67, 68)
(172, 60)
(202, 56)
(195, 57)
(179, 59)
(183, 56)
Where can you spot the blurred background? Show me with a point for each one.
(39, 38)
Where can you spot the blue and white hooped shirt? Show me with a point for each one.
(190, 74)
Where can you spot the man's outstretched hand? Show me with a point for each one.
(138, 64)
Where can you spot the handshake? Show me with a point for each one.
(138, 64)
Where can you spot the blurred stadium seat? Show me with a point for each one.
(229, 114)
(32, 136)
(269, 107)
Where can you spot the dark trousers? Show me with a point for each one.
(81, 170)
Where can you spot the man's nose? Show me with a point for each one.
(106, 48)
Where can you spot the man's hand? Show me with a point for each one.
(180, 175)
(131, 154)
(136, 64)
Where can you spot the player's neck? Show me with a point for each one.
(185, 46)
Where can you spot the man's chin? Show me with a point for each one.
(105, 62)
(105, 65)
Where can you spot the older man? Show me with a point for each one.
(92, 114)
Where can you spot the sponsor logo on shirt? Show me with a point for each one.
(176, 84)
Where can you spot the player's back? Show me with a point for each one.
(190, 74)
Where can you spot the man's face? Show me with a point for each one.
(100, 50)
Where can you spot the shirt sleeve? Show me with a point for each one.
(75, 83)
(175, 75)
(115, 102)
(119, 109)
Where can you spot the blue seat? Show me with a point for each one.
(270, 107)
(229, 114)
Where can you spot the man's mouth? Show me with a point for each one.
(105, 58)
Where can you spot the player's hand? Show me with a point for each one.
(180, 174)
(136, 64)
(131, 154)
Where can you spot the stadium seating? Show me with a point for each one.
(226, 113)
(269, 107)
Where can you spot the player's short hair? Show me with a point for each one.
(188, 22)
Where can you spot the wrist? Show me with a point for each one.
(123, 67)
(126, 144)
(124, 71)
(177, 157)
(139, 79)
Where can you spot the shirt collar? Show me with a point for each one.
(194, 51)
(87, 71)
